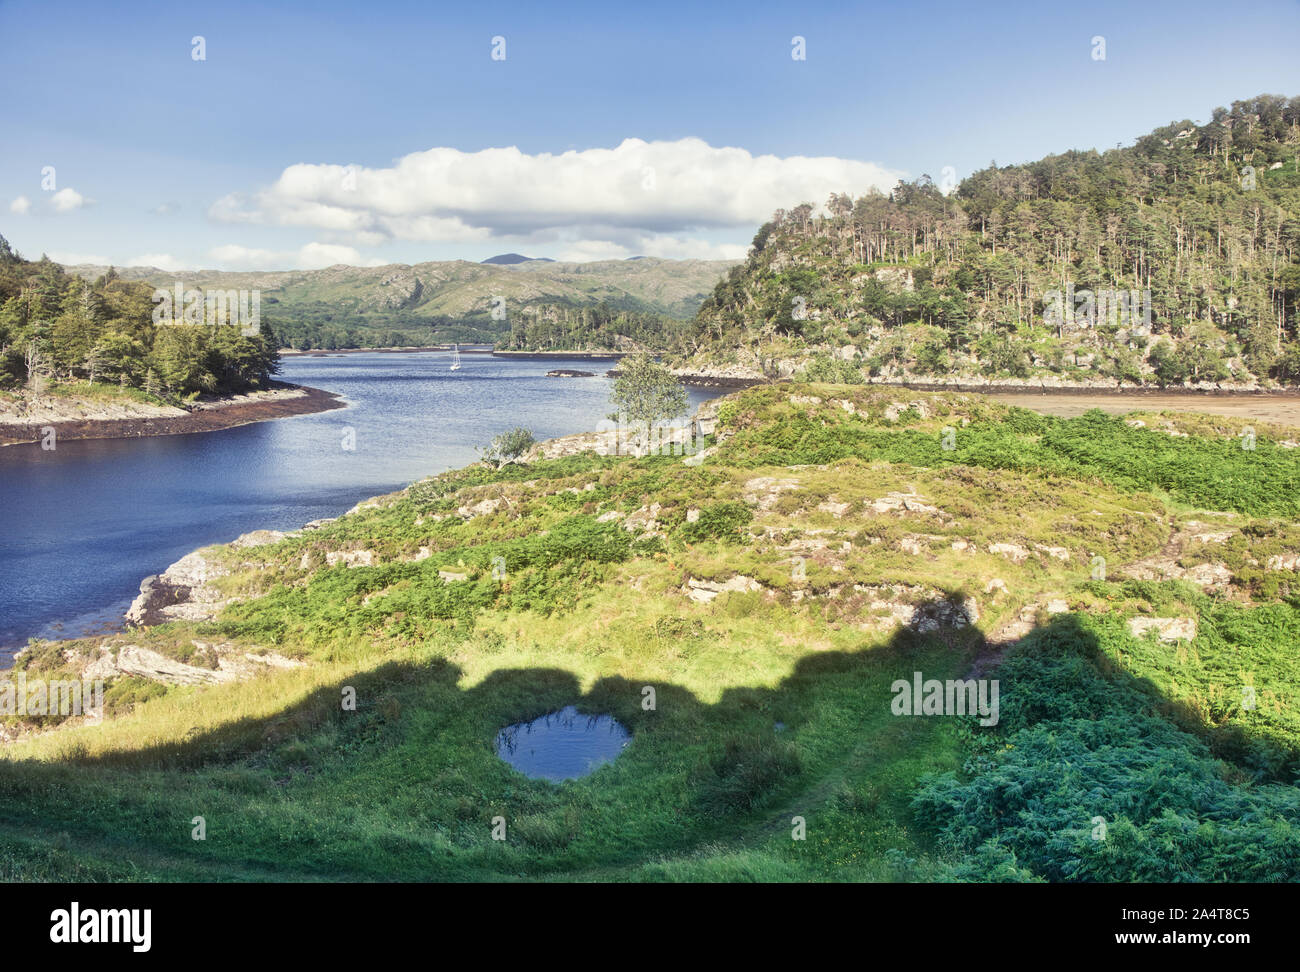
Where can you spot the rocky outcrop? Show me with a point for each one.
(945, 613)
(569, 445)
(614, 440)
(350, 558)
(704, 591)
(1166, 629)
(482, 508)
(1164, 565)
(1056, 553)
(832, 506)
(155, 595)
(764, 491)
(228, 664)
(920, 608)
(720, 376)
(902, 503)
(1012, 551)
(644, 520)
(185, 590)
(894, 409)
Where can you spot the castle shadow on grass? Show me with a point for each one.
(407, 786)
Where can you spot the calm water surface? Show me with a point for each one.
(562, 745)
(82, 525)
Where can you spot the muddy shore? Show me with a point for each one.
(205, 417)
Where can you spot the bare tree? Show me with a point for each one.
(34, 362)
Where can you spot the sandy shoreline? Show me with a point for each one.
(1024, 389)
(129, 421)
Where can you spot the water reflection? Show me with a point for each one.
(562, 745)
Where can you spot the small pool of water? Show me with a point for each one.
(562, 745)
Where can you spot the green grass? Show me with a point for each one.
(1215, 473)
(407, 786)
(1149, 736)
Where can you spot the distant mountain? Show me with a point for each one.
(344, 306)
(507, 259)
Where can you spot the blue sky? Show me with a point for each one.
(242, 160)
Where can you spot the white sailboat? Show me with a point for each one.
(455, 364)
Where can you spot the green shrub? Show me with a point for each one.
(717, 521)
(1084, 780)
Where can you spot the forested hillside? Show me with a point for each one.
(439, 302)
(55, 326)
(1198, 223)
(556, 327)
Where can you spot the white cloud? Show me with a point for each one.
(651, 194)
(66, 200)
(163, 261)
(593, 246)
(20, 206)
(313, 256)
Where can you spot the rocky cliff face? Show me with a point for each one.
(186, 590)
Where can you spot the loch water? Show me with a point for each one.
(83, 524)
